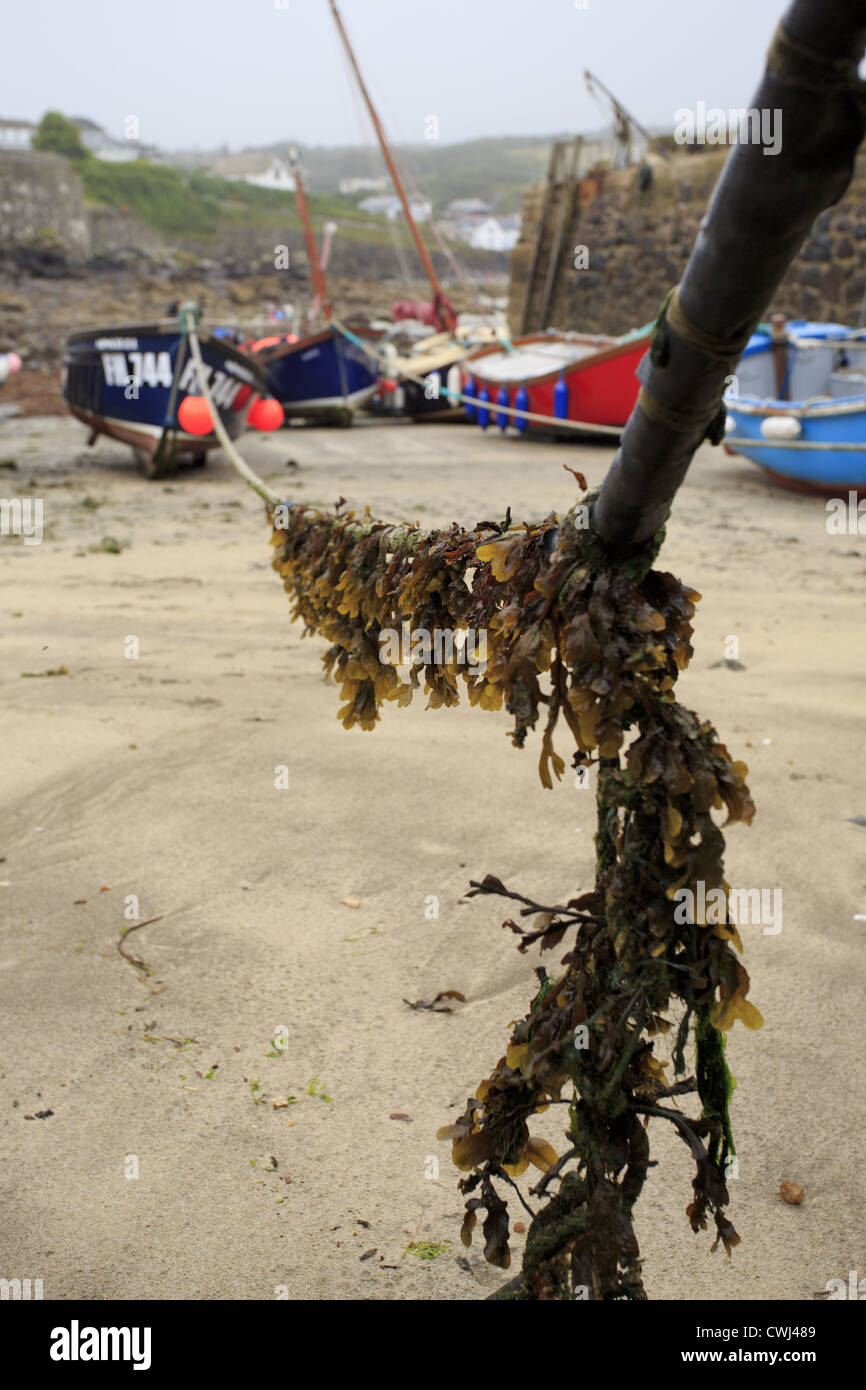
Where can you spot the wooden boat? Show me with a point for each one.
(560, 376)
(417, 382)
(797, 406)
(129, 383)
(320, 376)
(323, 375)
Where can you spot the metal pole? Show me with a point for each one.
(762, 210)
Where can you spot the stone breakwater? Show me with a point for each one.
(636, 240)
(42, 208)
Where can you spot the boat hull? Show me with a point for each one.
(319, 376)
(128, 383)
(419, 399)
(599, 375)
(813, 462)
(797, 407)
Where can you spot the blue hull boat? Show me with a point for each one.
(129, 382)
(323, 376)
(797, 407)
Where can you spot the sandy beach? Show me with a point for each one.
(155, 777)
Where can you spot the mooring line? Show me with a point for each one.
(259, 486)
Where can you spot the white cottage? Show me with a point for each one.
(261, 170)
(16, 135)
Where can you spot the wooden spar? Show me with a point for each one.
(623, 119)
(318, 275)
(446, 310)
(760, 214)
(316, 303)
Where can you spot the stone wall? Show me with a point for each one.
(638, 241)
(42, 208)
(47, 229)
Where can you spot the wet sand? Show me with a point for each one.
(155, 777)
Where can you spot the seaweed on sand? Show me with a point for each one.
(574, 636)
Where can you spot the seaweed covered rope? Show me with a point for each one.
(571, 635)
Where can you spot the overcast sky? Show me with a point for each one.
(203, 73)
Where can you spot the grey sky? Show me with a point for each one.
(243, 72)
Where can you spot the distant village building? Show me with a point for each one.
(16, 135)
(473, 221)
(468, 207)
(261, 170)
(104, 146)
(391, 207)
(494, 233)
(353, 185)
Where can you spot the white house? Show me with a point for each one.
(353, 185)
(16, 135)
(261, 170)
(493, 233)
(391, 207)
(98, 141)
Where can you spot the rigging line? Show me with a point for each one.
(400, 256)
(375, 163)
(466, 283)
(366, 124)
(447, 313)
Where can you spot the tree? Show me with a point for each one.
(57, 133)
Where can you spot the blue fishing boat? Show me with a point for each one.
(129, 383)
(323, 375)
(797, 406)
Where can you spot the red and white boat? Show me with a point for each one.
(582, 377)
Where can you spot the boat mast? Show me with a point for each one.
(446, 309)
(318, 275)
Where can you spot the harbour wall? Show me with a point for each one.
(42, 212)
(638, 237)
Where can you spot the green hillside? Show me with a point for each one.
(189, 202)
(196, 211)
(496, 169)
(196, 205)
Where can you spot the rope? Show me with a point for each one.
(187, 324)
(272, 499)
(672, 318)
(816, 445)
(533, 416)
(801, 66)
(682, 421)
(719, 349)
(711, 420)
